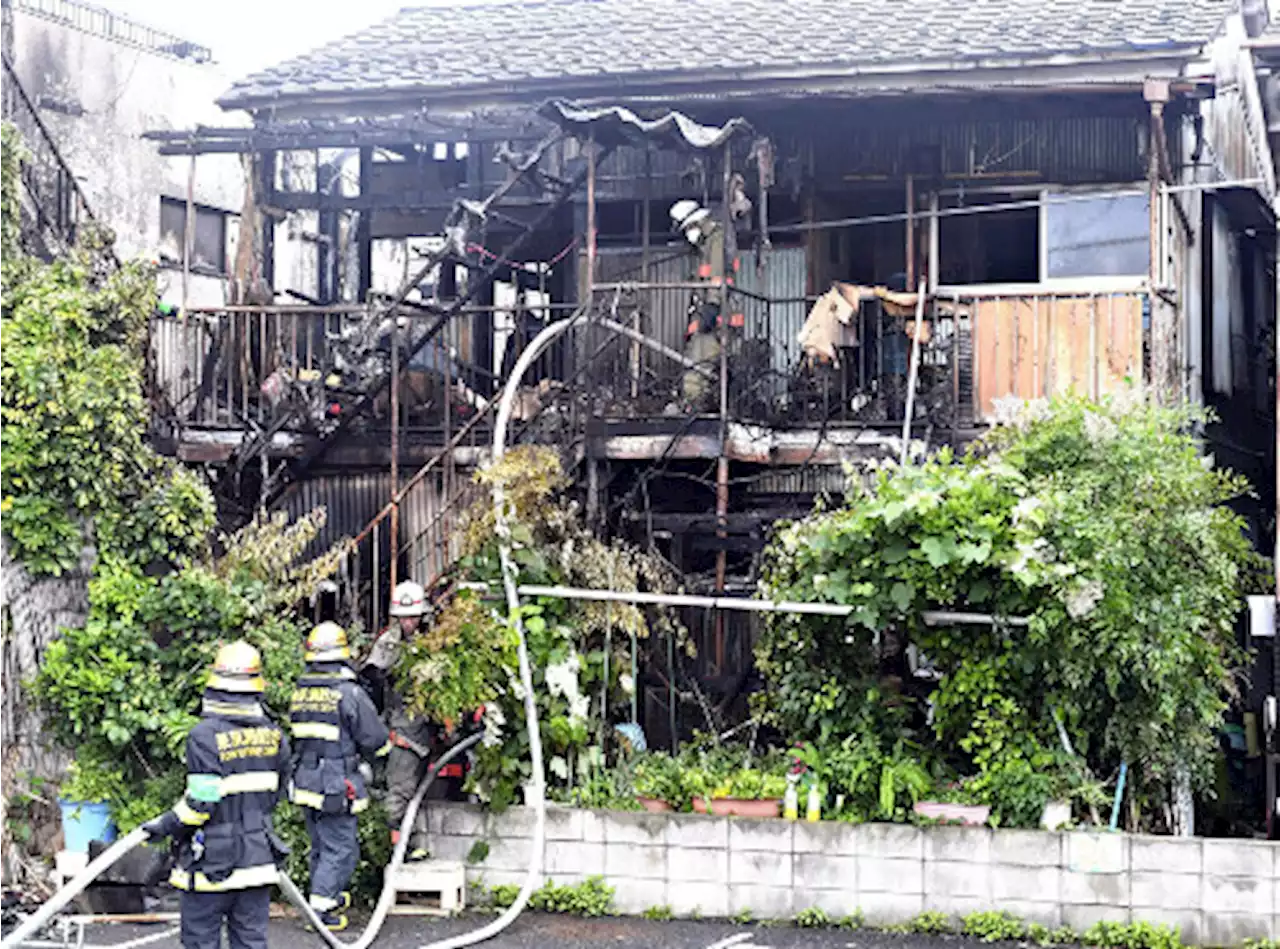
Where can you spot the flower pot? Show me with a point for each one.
(976, 814)
(653, 805)
(83, 822)
(1055, 815)
(738, 807)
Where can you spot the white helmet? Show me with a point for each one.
(691, 218)
(408, 599)
(681, 210)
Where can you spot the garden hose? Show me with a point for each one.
(74, 887)
(534, 872)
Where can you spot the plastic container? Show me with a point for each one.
(83, 822)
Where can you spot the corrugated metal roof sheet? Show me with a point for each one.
(504, 46)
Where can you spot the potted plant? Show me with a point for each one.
(952, 803)
(659, 782)
(82, 801)
(746, 792)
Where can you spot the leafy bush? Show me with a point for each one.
(743, 917)
(579, 650)
(993, 926)
(812, 918)
(854, 920)
(1042, 935)
(659, 914)
(124, 689)
(658, 776)
(1107, 935)
(1101, 523)
(591, 897)
(930, 923)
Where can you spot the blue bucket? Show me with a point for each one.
(83, 822)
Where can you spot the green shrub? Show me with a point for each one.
(812, 918)
(1108, 935)
(591, 897)
(930, 923)
(1042, 935)
(504, 895)
(658, 776)
(854, 920)
(993, 926)
(743, 917)
(660, 914)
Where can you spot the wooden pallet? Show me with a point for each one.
(430, 888)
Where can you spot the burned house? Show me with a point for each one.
(788, 236)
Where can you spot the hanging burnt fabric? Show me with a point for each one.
(830, 323)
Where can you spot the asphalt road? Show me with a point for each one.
(538, 931)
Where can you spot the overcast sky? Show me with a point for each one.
(247, 35)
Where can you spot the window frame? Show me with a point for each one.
(1045, 284)
(223, 268)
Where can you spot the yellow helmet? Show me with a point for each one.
(327, 643)
(237, 668)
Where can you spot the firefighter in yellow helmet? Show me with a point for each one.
(334, 725)
(237, 771)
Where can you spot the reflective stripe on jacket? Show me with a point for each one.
(237, 767)
(334, 723)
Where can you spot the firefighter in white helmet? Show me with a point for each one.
(413, 740)
(334, 725)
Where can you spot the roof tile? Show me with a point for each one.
(479, 44)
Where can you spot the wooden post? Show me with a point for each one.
(188, 237)
(911, 231)
(364, 228)
(593, 465)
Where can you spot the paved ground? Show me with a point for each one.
(541, 931)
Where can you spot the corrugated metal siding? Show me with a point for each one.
(664, 313)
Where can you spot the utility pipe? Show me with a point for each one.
(930, 617)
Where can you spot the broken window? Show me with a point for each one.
(1106, 235)
(208, 239)
(996, 246)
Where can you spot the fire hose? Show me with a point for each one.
(105, 860)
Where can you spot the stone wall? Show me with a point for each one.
(1218, 892)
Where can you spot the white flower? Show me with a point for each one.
(579, 706)
(1083, 598)
(1024, 508)
(1099, 428)
(562, 677)
(627, 684)
(493, 721)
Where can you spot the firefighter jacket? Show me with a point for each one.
(237, 769)
(334, 723)
(379, 668)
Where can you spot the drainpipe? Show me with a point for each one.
(1156, 93)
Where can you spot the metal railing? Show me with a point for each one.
(103, 22)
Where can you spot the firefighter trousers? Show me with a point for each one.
(335, 851)
(405, 770)
(245, 913)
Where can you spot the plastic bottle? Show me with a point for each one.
(813, 809)
(791, 800)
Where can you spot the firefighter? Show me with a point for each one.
(334, 723)
(237, 770)
(414, 740)
(717, 265)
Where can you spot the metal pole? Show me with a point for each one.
(395, 447)
(913, 373)
(593, 469)
(722, 462)
(744, 604)
(911, 230)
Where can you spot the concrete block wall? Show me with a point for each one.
(1217, 892)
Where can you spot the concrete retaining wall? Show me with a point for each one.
(1218, 892)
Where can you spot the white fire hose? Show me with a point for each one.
(105, 860)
